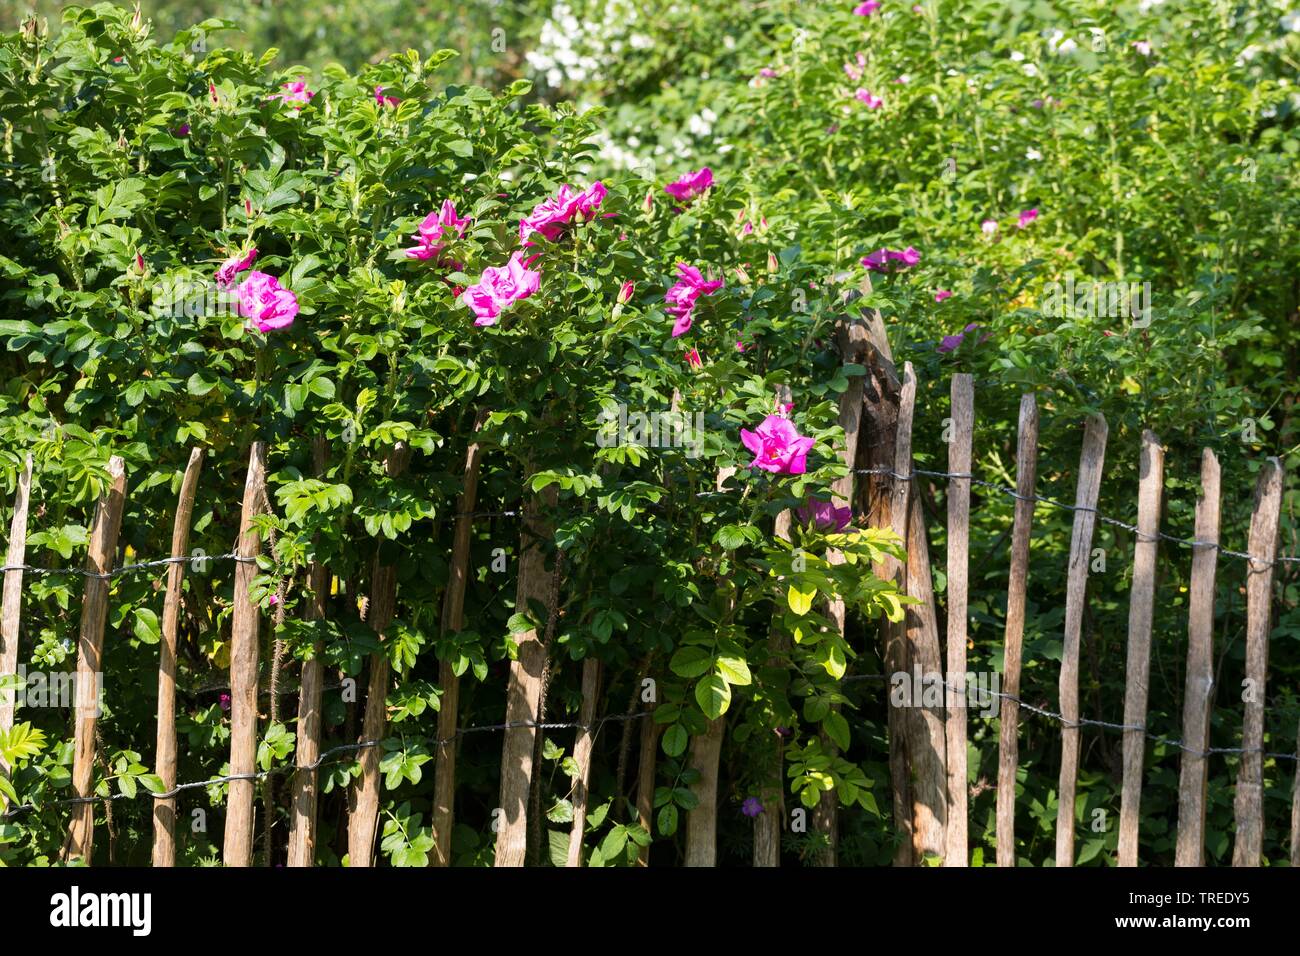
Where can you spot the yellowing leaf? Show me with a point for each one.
(800, 601)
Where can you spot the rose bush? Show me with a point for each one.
(193, 259)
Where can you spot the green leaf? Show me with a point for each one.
(734, 670)
(800, 601)
(691, 662)
(147, 628)
(675, 740)
(713, 694)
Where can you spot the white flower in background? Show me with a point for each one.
(1017, 55)
(1248, 54)
(1033, 155)
(1060, 44)
(1291, 21)
(1268, 112)
(1142, 46)
(1146, 6)
(701, 124)
(1030, 69)
(573, 50)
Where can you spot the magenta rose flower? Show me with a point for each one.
(777, 446)
(681, 296)
(436, 227)
(294, 94)
(498, 287)
(265, 303)
(551, 217)
(866, 96)
(824, 515)
(867, 9)
(1026, 217)
(233, 266)
(950, 343)
(691, 185)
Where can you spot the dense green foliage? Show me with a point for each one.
(1157, 146)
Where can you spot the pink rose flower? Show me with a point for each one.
(880, 261)
(552, 216)
(867, 9)
(383, 100)
(824, 515)
(866, 96)
(691, 185)
(436, 227)
(498, 287)
(233, 266)
(625, 292)
(294, 94)
(941, 294)
(1026, 217)
(777, 446)
(693, 358)
(681, 296)
(989, 227)
(950, 343)
(265, 303)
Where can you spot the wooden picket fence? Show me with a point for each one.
(927, 743)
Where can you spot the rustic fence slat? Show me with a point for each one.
(582, 756)
(705, 752)
(11, 602)
(881, 394)
(304, 793)
(364, 816)
(959, 463)
(702, 822)
(524, 689)
(1198, 689)
(90, 651)
(1151, 477)
(1295, 808)
(1013, 641)
(645, 781)
(164, 810)
(1248, 805)
(923, 725)
(237, 849)
(453, 619)
(1091, 463)
(852, 341)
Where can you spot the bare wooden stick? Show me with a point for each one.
(80, 844)
(363, 818)
(1090, 468)
(453, 619)
(876, 447)
(582, 756)
(305, 795)
(164, 810)
(1295, 809)
(645, 782)
(524, 691)
(1249, 803)
(1013, 642)
(852, 341)
(1151, 477)
(1198, 690)
(959, 463)
(245, 624)
(702, 822)
(11, 603)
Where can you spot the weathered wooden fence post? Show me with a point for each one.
(705, 754)
(245, 622)
(302, 822)
(364, 816)
(1141, 608)
(11, 603)
(453, 619)
(1249, 803)
(164, 809)
(1091, 462)
(582, 756)
(1013, 642)
(524, 690)
(90, 653)
(959, 464)
(1198, 689)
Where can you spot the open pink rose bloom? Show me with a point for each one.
(498, 287)
(434, 231)
(265, 303)
(777, 446)
(551, 217)
(681, 296)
